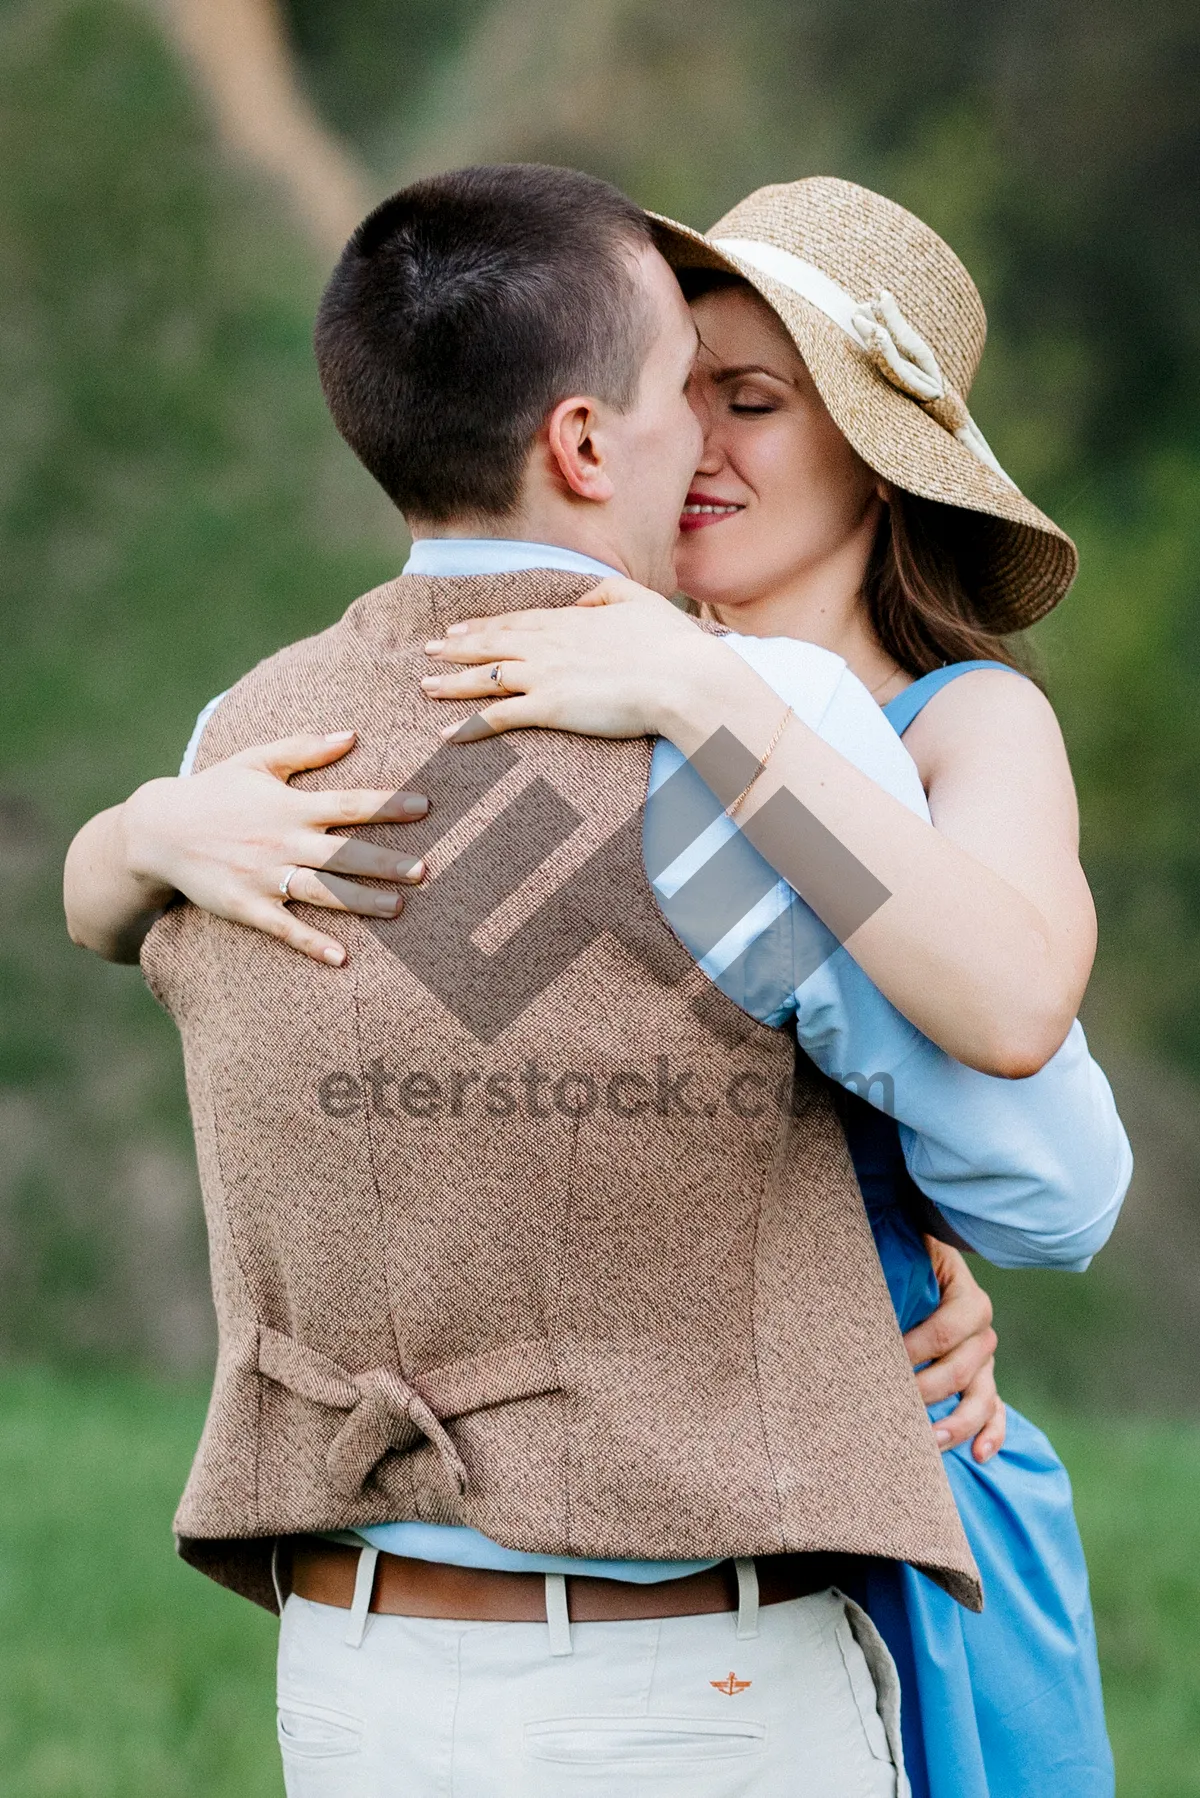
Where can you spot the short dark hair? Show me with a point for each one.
(462, 310)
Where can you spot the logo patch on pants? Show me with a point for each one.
(730, 1685)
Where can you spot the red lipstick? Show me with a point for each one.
(701, 509)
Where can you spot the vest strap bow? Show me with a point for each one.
(386, 1412)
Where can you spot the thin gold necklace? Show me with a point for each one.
(874, 691)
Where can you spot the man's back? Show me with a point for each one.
(493, 1176)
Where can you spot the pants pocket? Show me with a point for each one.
(645, 1743)
(315, 1744)
(875, 1686)
(652, 1757)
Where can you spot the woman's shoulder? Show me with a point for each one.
(982, 720)
(908, 704)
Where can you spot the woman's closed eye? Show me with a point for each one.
(749, 398)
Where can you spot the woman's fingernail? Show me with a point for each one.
(432, 647)
(335, 956)
(430, 681)
(337, 736)
(941, 1437)
(408, 870)
(413, 805)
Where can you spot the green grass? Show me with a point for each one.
(1137, 1496)
(123, 1674)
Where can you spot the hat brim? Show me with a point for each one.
(1024, 564)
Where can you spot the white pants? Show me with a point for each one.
(806, 1706)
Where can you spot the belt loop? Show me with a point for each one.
(558, 1618)
(747, 1616)
(279, 1598)
(364, 1585)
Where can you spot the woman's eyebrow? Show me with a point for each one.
(749, 368)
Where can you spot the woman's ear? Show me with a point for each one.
(576, 456)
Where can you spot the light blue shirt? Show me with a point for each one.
(1030, 1172)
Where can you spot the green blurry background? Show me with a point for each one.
(174, 504)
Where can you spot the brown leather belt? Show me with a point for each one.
(324, 1572)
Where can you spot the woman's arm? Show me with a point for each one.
(224, 839)
(985, 940)
(985, 934)
(1030, 1172)
(109, 906)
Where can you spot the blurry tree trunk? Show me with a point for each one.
(239, 50)
(532, 72)
(656, 96)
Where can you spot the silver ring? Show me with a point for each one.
(494, 676)
(286, 882)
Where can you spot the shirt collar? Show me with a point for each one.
(456, 556)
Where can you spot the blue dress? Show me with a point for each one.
(1006, 1703)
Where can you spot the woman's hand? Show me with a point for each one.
(225, 839)
(601, 667)
(955, 1350)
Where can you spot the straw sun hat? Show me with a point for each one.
(891, 327)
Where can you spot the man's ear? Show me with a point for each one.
(577, 457)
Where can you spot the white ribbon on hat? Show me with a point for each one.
(879, 328)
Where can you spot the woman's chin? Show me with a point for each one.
(704, 573)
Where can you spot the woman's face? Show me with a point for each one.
(789, 498)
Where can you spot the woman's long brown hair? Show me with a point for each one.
(921, 588)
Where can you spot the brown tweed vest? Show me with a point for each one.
(494, 1240)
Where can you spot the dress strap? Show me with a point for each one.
(901, 711)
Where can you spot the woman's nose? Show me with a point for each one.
(712, 457)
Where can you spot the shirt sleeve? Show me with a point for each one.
(1031, 1172)
(193, 744)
